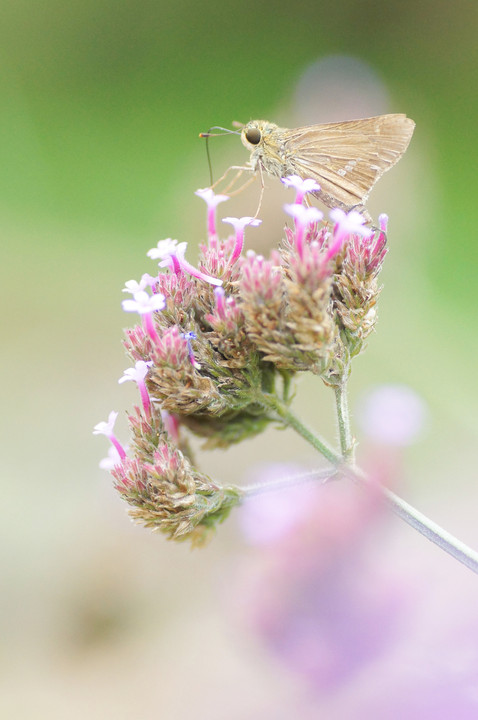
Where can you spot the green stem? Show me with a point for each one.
(272, 402)
(432, 531)
(347, 445)
(420, 522)
(426, 527)
(323, 476)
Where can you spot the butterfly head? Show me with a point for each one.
(256, 132)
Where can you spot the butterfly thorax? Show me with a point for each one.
(264, 140)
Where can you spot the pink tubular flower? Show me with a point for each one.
(303, 216)
(212, 200)
(301, 186)
(346, 224)
(239, 224)
(394, 415)
(138, 375)
(145, 305)
(171, 254)
(107, 428)
(113, 458)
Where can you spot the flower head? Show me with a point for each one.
(207, 362)
(168, 494)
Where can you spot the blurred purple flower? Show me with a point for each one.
(392, 414)
(271, 515)
(315, 593)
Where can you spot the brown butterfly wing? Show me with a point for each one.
(347, 158)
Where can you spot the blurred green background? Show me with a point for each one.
(101, 106)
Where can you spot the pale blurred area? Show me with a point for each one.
(342, 611)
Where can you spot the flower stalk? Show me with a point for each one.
(347, 445)
(345, 467)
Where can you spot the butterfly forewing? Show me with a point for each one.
(347, 158)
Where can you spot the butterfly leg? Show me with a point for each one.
(238, 174)
(261, 174)
(361, 209)
(243, 186)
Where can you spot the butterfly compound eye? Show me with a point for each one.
(253, 135)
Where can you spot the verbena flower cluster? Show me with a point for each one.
(218, 341)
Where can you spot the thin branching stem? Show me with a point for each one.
(286, 417)
(281, 483)
(413, 517)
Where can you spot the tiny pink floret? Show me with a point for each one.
(143, 303)
(195, 272)
(303, 216)
(113, 458)
(171, 253)
(166, 250)
(132, 286)
(239, 224)
(107, 428)
(383, 222)
(346, 224)
(138, 375)
(301, 186)
(212, 200)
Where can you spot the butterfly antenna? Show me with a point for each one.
(209, 160)
(207, 135)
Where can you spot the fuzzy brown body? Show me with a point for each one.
(346, 158)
